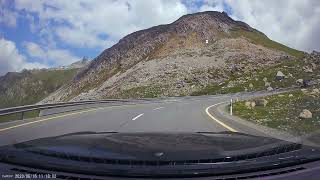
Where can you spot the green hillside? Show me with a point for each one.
(29, 87)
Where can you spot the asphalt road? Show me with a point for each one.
(171, 115)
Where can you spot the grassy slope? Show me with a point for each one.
(30, 89)
(282, 112)
(257, 37)
(140, 92)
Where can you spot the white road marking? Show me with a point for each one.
(215, 119)
(137, 116)
(158, 108)
(173, 100)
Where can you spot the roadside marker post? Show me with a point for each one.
(231, 107)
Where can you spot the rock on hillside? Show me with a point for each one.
(191, 53)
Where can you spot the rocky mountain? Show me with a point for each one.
(76, 65)
(201, 53)
(31, 86)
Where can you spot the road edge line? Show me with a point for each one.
(215, 119)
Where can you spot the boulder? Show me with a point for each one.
(269, 88)
(267, 84)
(305, 114)
(304, 91)
(250, 85)
(248, 104)
(307, 69)
(280, 75)
(261, 102)
(265, 79)
(315, 91)
(299, 81)
(290, 95)
(253, 104)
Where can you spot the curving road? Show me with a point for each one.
(186, 114)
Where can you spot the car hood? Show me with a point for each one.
(157, 154)
(150, 146)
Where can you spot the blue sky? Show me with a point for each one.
(51, 33)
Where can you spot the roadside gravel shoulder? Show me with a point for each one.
(245, 126)
(248, 127)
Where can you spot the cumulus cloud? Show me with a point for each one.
(46, 55)
(82, 23)
(11, 60)
(292, 22)
(8, 17)
(209, 5)
(98, 23)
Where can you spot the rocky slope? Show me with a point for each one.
(31, 86)
(185, 57)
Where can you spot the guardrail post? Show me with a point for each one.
(22, 115)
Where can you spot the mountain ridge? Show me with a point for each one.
(175, 59)
(184, 38)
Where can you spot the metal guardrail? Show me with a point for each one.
(28, 108)
(36, 107)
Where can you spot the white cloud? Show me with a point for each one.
(7, 16)
(212, 5)
(52, 56)
(11, 60)
(81, 23)
(292, 22)
(80, 38)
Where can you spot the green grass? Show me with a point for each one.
(282, 112)
(257, 37)
(18, 116)
(141, 92)
(216, 89)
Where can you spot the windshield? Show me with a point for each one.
(158, 83)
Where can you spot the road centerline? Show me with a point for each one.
(135, 118)
(158, 108)
(215, 119)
